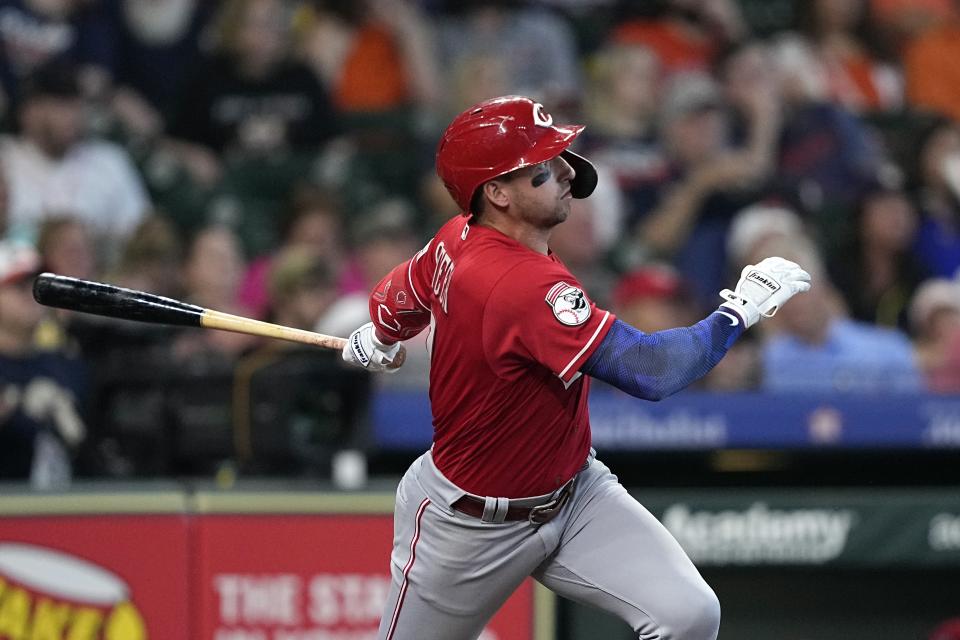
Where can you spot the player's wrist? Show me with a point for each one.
(745, 309)
(381, 340)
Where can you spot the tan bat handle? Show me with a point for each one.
(227, 322)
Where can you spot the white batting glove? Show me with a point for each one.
(363, 349)
(765, 287)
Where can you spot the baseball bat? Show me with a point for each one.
(111, 301)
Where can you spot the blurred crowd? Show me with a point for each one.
(274, 158)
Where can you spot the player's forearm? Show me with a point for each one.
(397, 309)
(654, 366)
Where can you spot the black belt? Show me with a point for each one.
(539, 514)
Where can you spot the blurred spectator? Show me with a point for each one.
(620, 112)
(685, 34)
(527, 50)
(937, 184)
(212, 270)
(900, 21)
(295, 406)
(157, 43)
(709, 182)
(375, 55)
(826, 155)
(51, 167)
(842, 34)
(4, 203)
(381, 238)
(756, 226)
(815, 348)
(313, 221)
(66, 248)
(876, 270)
(151, 259)
(34, 33)
(302, 287)
(750, 87)
(935, 321)
(41, 393)
(250, 97)
(930, 69)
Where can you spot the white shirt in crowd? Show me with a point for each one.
(95, 181)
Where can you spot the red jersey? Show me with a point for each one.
(510, 329)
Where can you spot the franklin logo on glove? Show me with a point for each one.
(358, 350)
(764, 279)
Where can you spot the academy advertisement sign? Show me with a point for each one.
(821, 528)
(759, 534)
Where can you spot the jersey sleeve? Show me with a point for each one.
(543, 315)
(399, 304)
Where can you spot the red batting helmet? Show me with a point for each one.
(503, 134)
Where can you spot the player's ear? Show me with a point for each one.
(495, 193)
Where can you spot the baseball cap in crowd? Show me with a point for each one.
(687, 94)
(17, 262)
(654, 281)
(933, 295)
(296, 269)
(389, 218)
(756, 223)
(57, 78)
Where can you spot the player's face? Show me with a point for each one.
(541, 193)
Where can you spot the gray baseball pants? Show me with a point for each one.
(451, 571)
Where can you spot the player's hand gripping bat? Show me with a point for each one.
(129, 304)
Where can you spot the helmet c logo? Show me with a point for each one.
(540, 118)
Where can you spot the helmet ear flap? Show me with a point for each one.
(585, 181)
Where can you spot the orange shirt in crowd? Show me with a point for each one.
(676, 48)
(373, 77)
(931, 71)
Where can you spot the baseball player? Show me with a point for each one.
(511, 487)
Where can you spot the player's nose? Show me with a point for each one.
(565, 172)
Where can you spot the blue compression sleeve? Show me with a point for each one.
(653, 366)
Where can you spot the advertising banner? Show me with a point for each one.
(94, 577)
(699, 421)
(308, 577)
(831, 528)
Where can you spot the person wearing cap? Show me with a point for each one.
(40, 392)
(686, 219)
(52, 168)
(934, 314)
(511, 487)
(653, 298)
(818, 348)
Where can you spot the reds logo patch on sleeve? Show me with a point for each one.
(569, 304)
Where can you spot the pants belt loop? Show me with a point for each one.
(495, 509)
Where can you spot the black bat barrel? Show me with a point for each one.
(113, 302)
